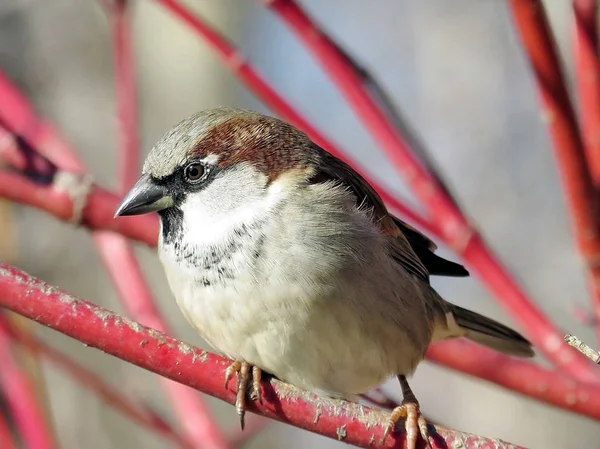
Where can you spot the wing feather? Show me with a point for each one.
(410, 248)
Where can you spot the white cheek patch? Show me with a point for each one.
(234, 198)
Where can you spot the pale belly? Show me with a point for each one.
(315, 339)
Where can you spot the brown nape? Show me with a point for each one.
(271, 145)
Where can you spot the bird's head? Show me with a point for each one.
(216, 164)
(233, 155)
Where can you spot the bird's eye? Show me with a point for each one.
(194, 172)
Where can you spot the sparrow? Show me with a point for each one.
(285, 260)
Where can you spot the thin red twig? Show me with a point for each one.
(454, 227)
(126, 95)
(22, 400)
(587, 64)
(157, 352)
(89, 380)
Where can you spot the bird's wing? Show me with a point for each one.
(425, 250)
(412, 250)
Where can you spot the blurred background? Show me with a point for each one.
(459, 75)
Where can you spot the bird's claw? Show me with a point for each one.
(243, 379)
(415, 423)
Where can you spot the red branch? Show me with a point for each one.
(97, 215)
(22, 399)
(18, 116)
(88, 379)
(454, 227)
(126, 95)
(588, 80)
(549, 386)
(100, 328)
(534, 30)
(350, 82)
(587, 66)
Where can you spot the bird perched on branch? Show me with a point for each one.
(285, 259)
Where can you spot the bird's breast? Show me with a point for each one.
(306, 301)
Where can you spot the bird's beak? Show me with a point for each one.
(146, 196)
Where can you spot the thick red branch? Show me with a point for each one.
(454, 227)
(98, 213)
(159, 353)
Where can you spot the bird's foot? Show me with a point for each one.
(243, 380)
(415, 423)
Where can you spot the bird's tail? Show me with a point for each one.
(490, 333)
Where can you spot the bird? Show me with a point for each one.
(286, 261)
